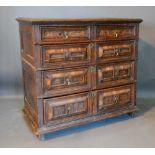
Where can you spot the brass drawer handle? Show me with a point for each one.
(116, 34)
(68, 110)
(92, 45)
(66, 35)
(93, 68)
(67, 81)
(117, 51)
(116, 99)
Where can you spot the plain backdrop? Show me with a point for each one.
(10, 64)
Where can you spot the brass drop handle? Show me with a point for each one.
(116, 34)
(66, 35)
(67, 81)
(68, 109)
(117, 50)
(116, 100)
(93, 68)
(92, 45)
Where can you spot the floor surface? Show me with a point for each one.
(121, 131)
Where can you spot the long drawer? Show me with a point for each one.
(73, 107)
(72, 80)
(80, 54)
(86, 33)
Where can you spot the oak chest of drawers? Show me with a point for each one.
(77, 71)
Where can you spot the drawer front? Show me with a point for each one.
(109, 100)
(60, 109)
(115, 74)
(115, 32)
(113, 52)
(66, 33)
(66, 55)
(66, 81)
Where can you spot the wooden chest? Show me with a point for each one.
(77, 71)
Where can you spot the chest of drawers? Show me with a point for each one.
(77, 71)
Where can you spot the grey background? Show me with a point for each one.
(10, 64)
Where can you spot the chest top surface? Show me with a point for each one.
(77, 20)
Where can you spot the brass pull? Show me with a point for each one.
(67, 81)
(93, 68)
(66, 35)
(116, 34)
(68, 109)
(93, 94)
(116, 100)
(117, 50)
(92, 45)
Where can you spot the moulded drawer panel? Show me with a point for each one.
(67, 108)
(65, 33)
(115, 32)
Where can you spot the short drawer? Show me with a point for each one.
(109, 100)
(66, 108)
(65, 33)
(115, 51)
(115, 32)
(115, 74)
(66, 55)
(66, 81)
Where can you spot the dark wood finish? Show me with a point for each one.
(63, 109)
(113, 99)
(66, 81)
(115, 51)
(116, 32)
(77, 71)
(65, 55)
(77, 20)
(114, 74)
(65, 33)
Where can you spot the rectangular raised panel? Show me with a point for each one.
(66, 81)
(29, 85)
(113, 99)
(115, 74)
(26, 40)
(65, 33)
(115, 32)
(66, 108)
(66, 55)
(115, 51)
